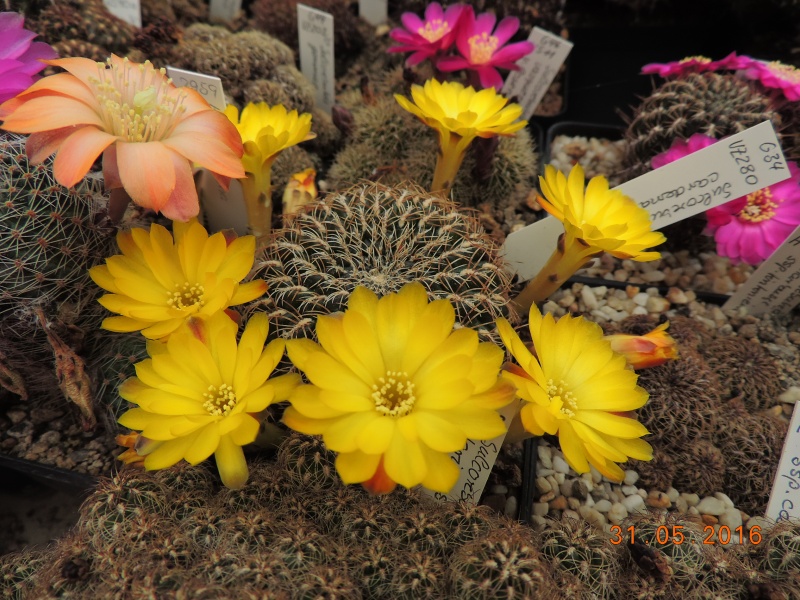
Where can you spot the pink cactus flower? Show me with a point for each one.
(425, 39)
(775, 75)
(747, 229)
(19, 56)
(483, 48)
(697, 64)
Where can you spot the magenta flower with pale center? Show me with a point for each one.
(697, 64)
(427, 38)
(747, 229)
(19, 56)
(484, 49)
(775, 75)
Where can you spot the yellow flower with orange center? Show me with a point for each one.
(577, 387)
(649, 350)
(394, 389)
(157, 283)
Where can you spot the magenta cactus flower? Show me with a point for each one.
(775, 75)
(484, 49)
(697, 64)
(19, 56)
(748, 229)
(429, 37)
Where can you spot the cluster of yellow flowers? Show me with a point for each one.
(392, 387)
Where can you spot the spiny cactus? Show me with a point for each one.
(307, 462)
(779, 551)
(182, 12)
(699, 468)
(684, 401)
(382, 238)
(578, 548)
(751, 445)
(85, 20)
(746, 370)
(390, 145)
(504, 564)
(655, 474)
(418, 575)
(715, 104)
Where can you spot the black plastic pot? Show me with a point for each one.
(51, 476)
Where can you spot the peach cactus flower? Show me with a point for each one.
(148, 130)
(643, 351)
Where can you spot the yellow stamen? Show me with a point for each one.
(186, 295)
(394, 394)
(219, 401)
(760, 207)
(563, 402)
(482, 47)
(434, 30)
(700, 59)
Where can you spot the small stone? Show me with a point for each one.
(681, 505)
(693, 511)
(602, 506)
(543, 485)
(16, 416)
(559, 503)
(573, 503)
(589, 299)
(50, 437)
(551, 479)
(596, 476)
(792, 395)
(547, 497)
(560, 465)
(630, 490)
(653, 276)
(748, 331)
(711, 506)
(545, 455)
(631, 477)
(761, 522)
(640, 299)
(545, 472)
(691, 499)
(499, 489)
(673, 494)
(709, 519)
(579, 489)
(639, 310)
(677, 296)
(559, 477)
(539, 522)
(724, 499)
(592, 516)
(732, 518)
(566, 488)
(511, 507)
(618, 512)
(540, 509)
(634, 503)
(588, 501)
(658, 500)
(657, 304)
(571, 514)
(631, 290)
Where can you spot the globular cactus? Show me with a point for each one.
(390, 145)
(752, 445)
(307, 462)
(417, 575)
(86, 21)
(717, 105)
(779, 551)
(578, 548)
(181, 12)
(745, 370)
(382, 238)
(699, 468)
(505, 564)
(655, 474)
(323, 581)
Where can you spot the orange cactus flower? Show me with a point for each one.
(648, 350)
(148, 130)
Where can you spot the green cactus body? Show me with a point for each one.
(382, 238)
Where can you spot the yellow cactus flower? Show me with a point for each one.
(649, 350)
(576, 386)
(300, 191)
(197, 394)
(266, 131)
(596, 220)
(157, 282)
(459, 115)
(394, 390)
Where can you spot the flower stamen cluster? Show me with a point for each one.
(394, 394)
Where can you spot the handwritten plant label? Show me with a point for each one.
(224, 10)
(537, 70)
(208, 86)
(315, 31)
(221, 209)
(374, 12)
(774, 287)
(784, 501)
(475, 461)
(129, 11)
(731, 168)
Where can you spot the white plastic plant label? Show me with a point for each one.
(475, 462)
(224, 10)
(208, 86)
(537, 70)
(374, 12)
(774, 287)
(784, 501)
(221, 209)
(729, 169)
(129, 11)
(315, 31)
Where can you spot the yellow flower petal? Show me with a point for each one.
(442, 471)
(405, 463)
(355, 467)
(203, 446)
(231, 463)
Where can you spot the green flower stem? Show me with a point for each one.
(562, 264)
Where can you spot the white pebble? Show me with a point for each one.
(790, 396)
(681, 505)
(629, 490)
(571, 514)
(691, 499)
(543, 485)
(725, 500)
(602, 505)
(711, 506)
(559, 477)
(544, 472)
(618, 512)
(634, 503)
(673, 494)
(732, 518)
(559, 464)
(511, 507)
(631, 477)
(540, 509)
(592, 516)
(589, 299)
(545, 455)
(639, 310)
(656, 304)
